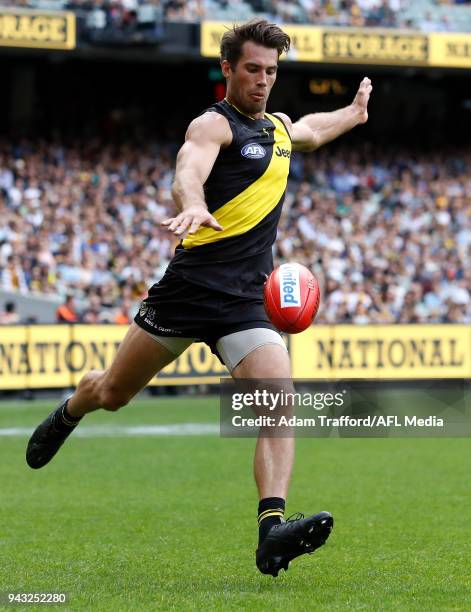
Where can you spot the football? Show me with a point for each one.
(291, 296)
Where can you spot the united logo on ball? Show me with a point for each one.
(291, 295)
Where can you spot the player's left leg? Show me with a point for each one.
(280, 541)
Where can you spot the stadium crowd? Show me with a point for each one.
(388, 234)
(435, 15)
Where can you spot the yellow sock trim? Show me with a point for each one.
(267, 513)
(261, 515)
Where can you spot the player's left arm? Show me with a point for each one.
(316, 129)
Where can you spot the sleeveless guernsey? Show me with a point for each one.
(244, 192)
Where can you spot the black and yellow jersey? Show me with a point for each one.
(244, 192)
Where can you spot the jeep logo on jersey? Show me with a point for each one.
(283, 152)
(253, 151)
(290, 291)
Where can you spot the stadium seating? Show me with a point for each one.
(389, 238)
(428, 15)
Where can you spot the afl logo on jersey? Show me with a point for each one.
(253, 151)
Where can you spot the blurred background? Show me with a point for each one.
(96, 99)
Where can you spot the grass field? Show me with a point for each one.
(169, 522)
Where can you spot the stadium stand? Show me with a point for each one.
(392, 232)
(425, 15)
(84, 218)
(388, 234)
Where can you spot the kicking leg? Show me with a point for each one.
(138, 359)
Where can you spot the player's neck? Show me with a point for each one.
(253, 116)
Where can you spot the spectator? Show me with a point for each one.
(9, 316)
(66, 313)
(123, 316)
(13, 277)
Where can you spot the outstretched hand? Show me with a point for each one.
(190, 220)
(360, 102)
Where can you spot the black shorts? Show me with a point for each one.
(178, 308)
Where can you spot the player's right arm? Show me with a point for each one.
(203, 141)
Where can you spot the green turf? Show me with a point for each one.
(169, 523)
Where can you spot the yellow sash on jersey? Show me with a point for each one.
(249, 207)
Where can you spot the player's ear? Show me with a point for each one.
(226, 69)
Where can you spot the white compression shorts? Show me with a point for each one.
(232, 348)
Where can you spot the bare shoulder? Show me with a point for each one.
(286, 120)
(210, 126)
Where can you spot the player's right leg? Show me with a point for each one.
(261, 360)
(139, 358)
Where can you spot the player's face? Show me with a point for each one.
(250, 83)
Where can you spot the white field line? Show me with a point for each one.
(123, 431)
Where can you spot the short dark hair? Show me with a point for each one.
(258, 31)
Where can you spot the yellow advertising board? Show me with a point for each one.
(54, 356)
(374, 47)
(306, 41)
(451, 50)
(37, 29)
(360, 45)
(14, 357)
(382, 352)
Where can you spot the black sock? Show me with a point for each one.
(271, 511)
(63, 420)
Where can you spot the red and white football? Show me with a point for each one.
(291, 295)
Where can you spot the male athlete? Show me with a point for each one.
(230, 181)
